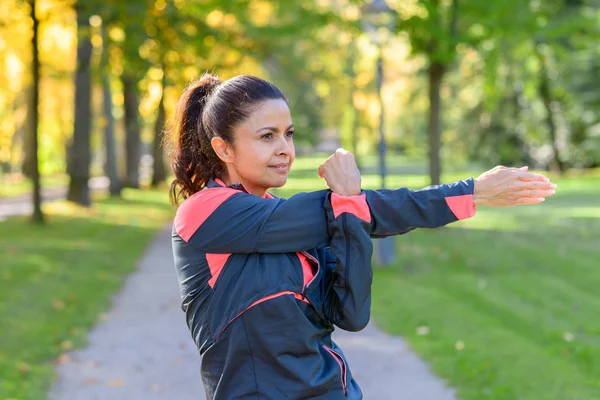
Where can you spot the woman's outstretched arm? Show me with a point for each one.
(397, 211)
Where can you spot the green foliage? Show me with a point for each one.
(490, 52)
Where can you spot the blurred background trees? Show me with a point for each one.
(499, 82)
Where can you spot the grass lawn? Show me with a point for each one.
(17, 184)
(56, 280)
(503, 306)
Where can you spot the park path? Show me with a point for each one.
(141, 349)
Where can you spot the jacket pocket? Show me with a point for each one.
(340, 360)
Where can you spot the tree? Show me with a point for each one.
(132, 129)
(556, 43)
(27, 165)
(110, 166)
(434, 34)
(159, 173)
(132, 16)
(438, 29)
(79, 152)
(37, 216)
(440, 54)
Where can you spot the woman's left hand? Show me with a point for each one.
(505, 187)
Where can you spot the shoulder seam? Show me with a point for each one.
(186, 210)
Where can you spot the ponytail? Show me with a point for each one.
(194, 161)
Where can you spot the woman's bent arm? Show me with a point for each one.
(348, 271)
(226, 220)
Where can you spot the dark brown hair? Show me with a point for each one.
(206, 109)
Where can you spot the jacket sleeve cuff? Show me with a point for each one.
(355, 205)
(459, 198)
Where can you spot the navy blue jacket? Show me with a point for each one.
(264, 281)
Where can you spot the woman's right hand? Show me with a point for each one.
(504, 187)
(341, 173)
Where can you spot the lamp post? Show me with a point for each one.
(378, 21)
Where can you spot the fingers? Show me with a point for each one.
(344, 153)
(533, 193)
(341, 173)
(530, 185)
(522, 174)
(531, 177)
(531, 200)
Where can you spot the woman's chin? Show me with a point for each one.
(279, 182)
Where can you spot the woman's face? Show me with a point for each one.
(263, 149)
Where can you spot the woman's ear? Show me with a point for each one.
(223, 150)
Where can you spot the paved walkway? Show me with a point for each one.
(142, 349)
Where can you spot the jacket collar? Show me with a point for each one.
(216, 183)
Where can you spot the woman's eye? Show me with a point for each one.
(267, 136)
(290, 133)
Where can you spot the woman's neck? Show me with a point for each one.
(233, 177)
(260, 192)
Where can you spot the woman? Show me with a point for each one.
(264, 280)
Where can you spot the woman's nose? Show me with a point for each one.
(284, 146)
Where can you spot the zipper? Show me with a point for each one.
(342, 364)
(313, 259)
(347, 272)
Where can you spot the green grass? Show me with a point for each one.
(503, 306)
(57, 279)
(15, 184)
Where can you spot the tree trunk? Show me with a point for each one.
(132, 131)
(79, 152)
(37, 215)
(436, 73)
(27, 128)
(520, 138)
(110, 166)
(546, 95)
(159, 174)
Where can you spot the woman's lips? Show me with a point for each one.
(283, 168)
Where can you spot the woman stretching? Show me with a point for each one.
(264, 281)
